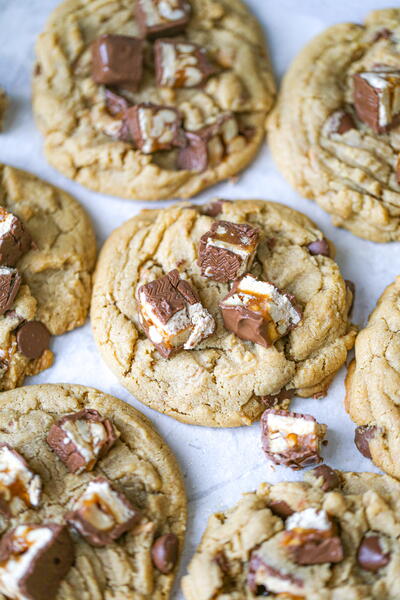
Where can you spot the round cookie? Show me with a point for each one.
(331, 150)
(253, 550)
(225, 381)
(86, 137)
(139, 464)
(53, 271)
(372, 383)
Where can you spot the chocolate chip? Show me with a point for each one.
(33, 339)
(370, 555)
(10, 281)
(117, 59)
(330, 479)
(362, 436)
(165, 552)
(280, 508)
(319, 247)
(317, 552)
(214, 209)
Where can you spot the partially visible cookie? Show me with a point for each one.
(373, 384)
(335, 536)
(335, 130)
(47, 254)
(164, 98)
(3, 107)
(125, 509)
(168, 272)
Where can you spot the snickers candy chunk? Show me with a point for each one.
(258, 311)
(15, 240)
(181, 64)
(34, 559)
(81, 438)
(102, 514)
(377, 99)
(154, 128)
(265, 578)
(162, 17)
(227, 250)
(117, 60)
(291, 439)
(20, 488)
(10, 282)
(339, 122)
(172, 315)
(311, 538)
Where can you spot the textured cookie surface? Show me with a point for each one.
(373, 381)
(56, 272)
(221, 381)
(75, 142)
(139, 464)
(350, 175)
(363, 504)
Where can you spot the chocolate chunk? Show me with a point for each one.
(215, 208)
(157, 18)
(116, 104)
(20, 488)
(383, 34)
(117, 59)
(154, 127)
(280, 508)
(227, 250)
(339, 122)
(80, 439)
(317, 552)
(257, 311)
(263, 578)
(319, 247)
(50, 553)
(181, 64)
(275, 400)
(222, 561)
(15, 240)
(102, 514)
(370, 555)
(172, 315)
(377, 98)
(329, 477)
(194, 156)
(291, 439)
(33, 338)
(362, 436)
(165, 552)
(10, 281)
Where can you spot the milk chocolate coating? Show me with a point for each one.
(199, 54)
(280, 508)
(255, 563)
(10, 283)
(33, 338)
(134, 126)
(117, 59)
(15, 243)
(213, 209)
(194, 156)
(320, 247)
(319, 551)
(362, 436)
(246, 325)
(165, 552)
(161, 29)
(116, 104)
(366, 102)
(329, 477)
(370, 555)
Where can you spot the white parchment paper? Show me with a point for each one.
(218, 465)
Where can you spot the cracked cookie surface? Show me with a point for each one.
(71, 112)
(56, 272)
(140, 464)
(360, 504)
(221, 382)
(351, 175)
(373, 381)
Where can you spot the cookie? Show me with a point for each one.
(334, 131)
(293, 343)
(47, 254)
(135, 475)
(372, 383)
(3, 107)
(333, 536)
(164, 99)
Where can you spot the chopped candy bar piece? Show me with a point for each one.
(227, 250)
(33, 561)
(339, 122)
(154, 128)
(81, 438)
(157, 18)
(172, 315)
(258, 311)
(20, 488)
(10, 281)
(102, 514)
(181, 64)
(291, 439)
(117, 59)
(264, 574)
(15, 240)
(377, 98)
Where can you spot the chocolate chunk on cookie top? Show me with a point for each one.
(33, 561)
(264, 579)
(81, 439)
(20, 488)
(10, 281)
(15, 240)
(258, 311)
(117, 59)
(154, 128)
(377, 98)
(291, 439)
(372, 555)
(227, 250)
(102, 514)
(172, 315)
(181, 64)
(162, 17)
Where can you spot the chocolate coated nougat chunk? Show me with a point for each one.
(162, 17)
(377, 98)
(117, 59)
